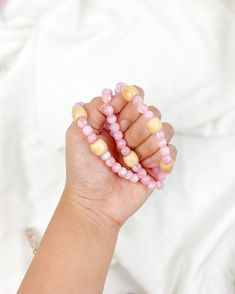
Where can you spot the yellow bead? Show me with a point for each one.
(131, 159)
(78, 111)
(99, 147)
(167, 167)
(154, 125)
(129, 92)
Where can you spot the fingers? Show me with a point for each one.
(154, 159)
(96, 117)
(137, 133)
(150, 145)
(129, 114)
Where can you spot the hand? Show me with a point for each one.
(90, 184)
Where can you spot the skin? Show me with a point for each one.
(75, 252)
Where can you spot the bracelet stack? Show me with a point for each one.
(134, 172)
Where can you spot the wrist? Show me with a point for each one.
(87, 212)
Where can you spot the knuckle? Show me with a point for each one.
(130, 138)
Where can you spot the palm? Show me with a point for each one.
(115, 196)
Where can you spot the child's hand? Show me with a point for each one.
(90, 184)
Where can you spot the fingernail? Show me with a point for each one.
(147, 161)
(124, 123)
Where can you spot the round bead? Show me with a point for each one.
(156, 170)
(166, 159)
(131, 159)
(116, 167)
(148, 115)
(161, 142)
(114, 127)
(78, 111)
(161, 176)
(165, 151)
(137, 100)
(146, 180)
(134, 178)
(129, 92)
(128, 175)
(111, 118)
(160, 135)
(159, 185)
(87, 130)
(119, 87)
(125, 150)
(142, 173)
(152, 185)
(142, 108)
(99, 147)
(137, 167)
(121, 143)
(154, 125)
(82, 122)
(92, 138)
(106, 95)
(167, 167)
(110, 162)
(106, 155)
(118, 135)
(122, 173)
(108, 109)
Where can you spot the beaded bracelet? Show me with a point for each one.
(136, 172)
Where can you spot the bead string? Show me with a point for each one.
(137, 173)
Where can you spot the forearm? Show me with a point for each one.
(74, 255)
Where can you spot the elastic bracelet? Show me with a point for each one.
(134, 172)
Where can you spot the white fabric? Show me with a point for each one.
(54, 53)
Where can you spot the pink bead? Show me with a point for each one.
(114, 127)
(111, 118)
(148, 115)
(108, 109)
(166, 159)
(119, 87)
(134, 178)
(152, 185)
(142, 108)
(118, 135)
(165, 151)
(82, 122)
(137, 100)
(106, 155)
(160, 185)
(106, 126)
(161, 142)
(116, 167)
(128, 175)
(161, 176)
(160, 135)
(87, 130)
(92, 138)
(142, 173)
(125, 151)
(121, 143)
(122, 173)
(110, 162)
(156, 170)
(137, 167)
(106, 95)
(146, 180)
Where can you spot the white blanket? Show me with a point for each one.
(54, 53)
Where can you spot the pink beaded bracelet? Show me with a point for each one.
(136, 172)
